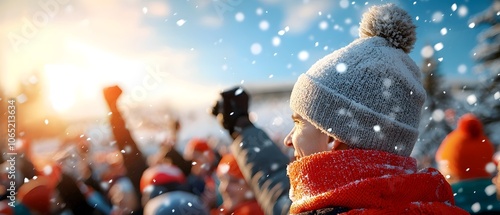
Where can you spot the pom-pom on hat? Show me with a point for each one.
(368, 94)
(466, 151)
(228, 165)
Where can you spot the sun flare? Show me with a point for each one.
(62, 89)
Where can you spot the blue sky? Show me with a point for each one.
(184, 52)
(225, 52)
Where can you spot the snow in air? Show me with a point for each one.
(344, 4)
(454, 7)
(341, 67)
(239, 17)
(256, 48)
(303, 55)
(443, 31)
(438, 46)
(491, 167)
(323, 25)
(462, 69)
(438, 115)
(387, 82)
(259, 11)
(471, 99)
(46, 121)
(376, 128)
(496, 95)
(264, 25)
(276, 41)
(476, 207)
(427, 52)
(463, 11)
(181, 22)
(354, 31)
(437, 16)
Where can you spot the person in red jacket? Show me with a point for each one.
(356, 113)
(237, 195)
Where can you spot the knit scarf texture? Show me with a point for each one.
(368, 182)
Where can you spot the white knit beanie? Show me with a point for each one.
(368, 94)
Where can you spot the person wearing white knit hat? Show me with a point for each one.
(366, 99)
(356, 113)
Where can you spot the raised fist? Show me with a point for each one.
(232, 105)
(112, 93)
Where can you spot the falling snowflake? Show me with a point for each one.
(303, 55)
(264, 25)
(239, 17)
(181, 22)
(256, 48)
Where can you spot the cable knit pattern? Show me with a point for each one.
(383, 183)
(367, 94)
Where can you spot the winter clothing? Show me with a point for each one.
(161, 174)
(245, 208)
(467, 150)
(377, 181)
(160, 179)
(228, 165)
(36, 194)
(73, 197)
(176, 202)
(196, 145)
(368, 94)
(233, 104)
(133, 159)
(176, 158)
(248, 206)
(264, 166)
(476, 196)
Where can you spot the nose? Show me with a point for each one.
(288, 139)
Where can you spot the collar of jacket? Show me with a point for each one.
(367, 181)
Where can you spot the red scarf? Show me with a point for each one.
(368, 182)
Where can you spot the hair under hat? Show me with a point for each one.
(466, 151)
(368, 94)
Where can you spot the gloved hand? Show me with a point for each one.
(111, 94)
(232, 105)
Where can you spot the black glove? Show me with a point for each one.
(232, 105)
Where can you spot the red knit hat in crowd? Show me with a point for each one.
(195, 145)
(467, 149)
(228, 165)
(161, 174)
(36, 194)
